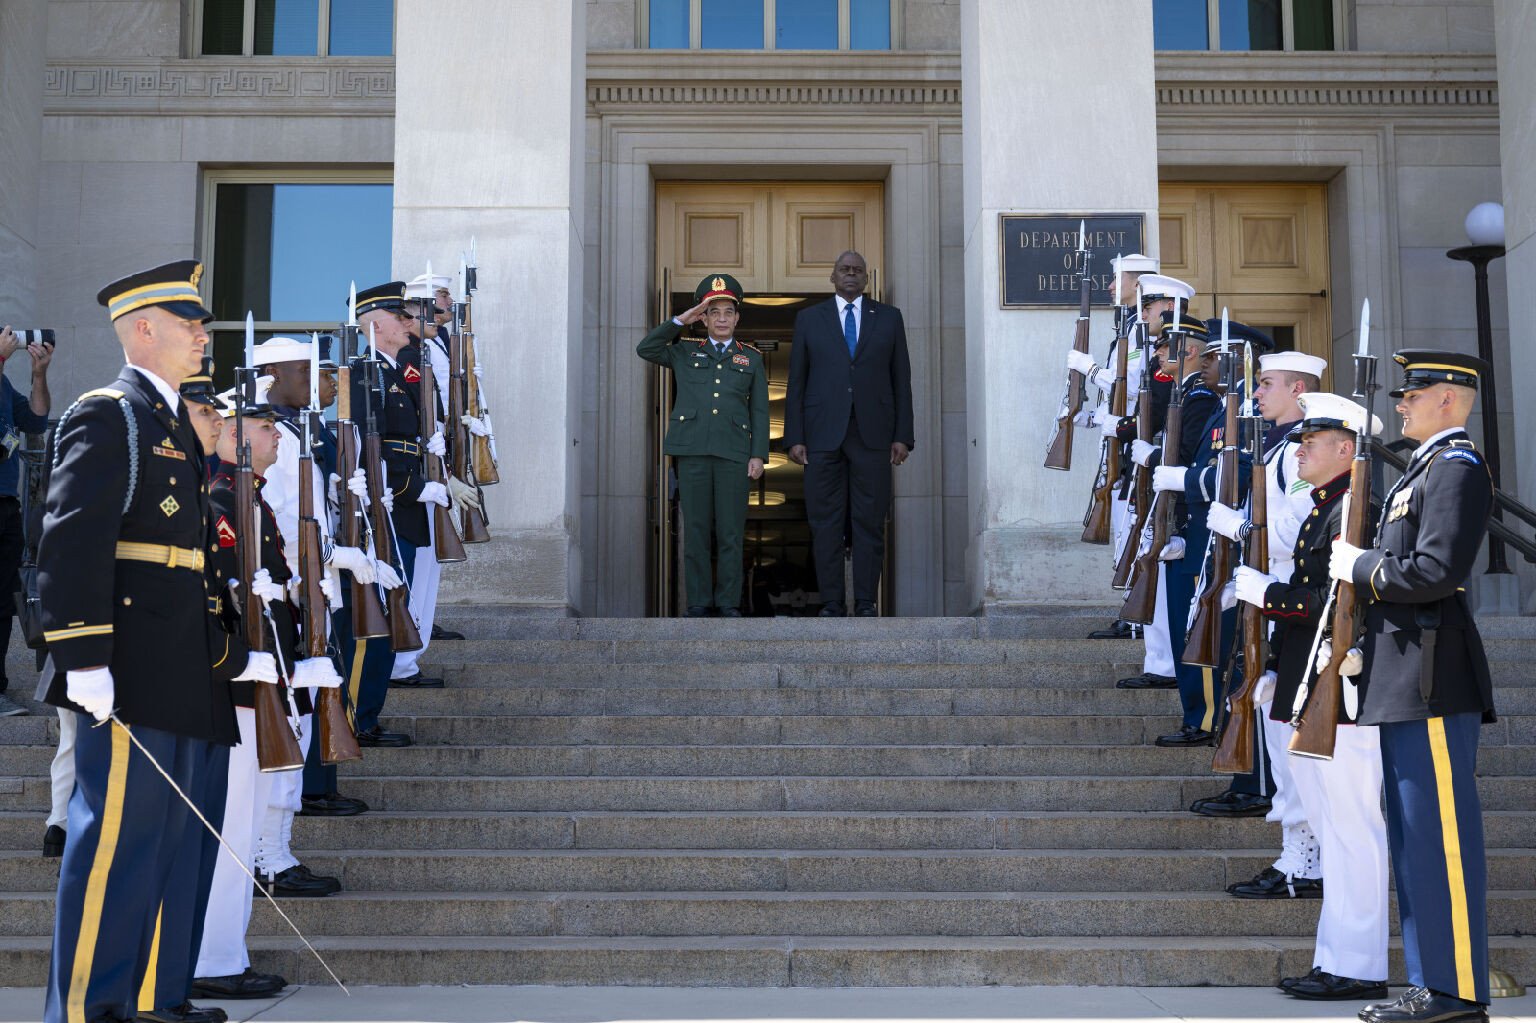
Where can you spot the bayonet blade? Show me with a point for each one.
(1365, 328)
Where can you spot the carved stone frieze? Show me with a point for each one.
(234, 85)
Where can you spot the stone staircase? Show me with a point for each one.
(790, 802)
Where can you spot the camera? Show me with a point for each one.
(40, 336)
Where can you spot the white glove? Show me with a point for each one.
(387, 498)
(433, 493)
(1341, 565)
(358, 484)
(1324, 655)
(259, 667)
(437, 445)
(385, 575)
(1225, 520)
(1252, 585)
(1229, 596)
(1169, 477)
(1354, 662)
(91, 689)
(1110, 428)
(265, 589)
(1084, 418)
(1080, 362)
(478, 375)
(354, 560)
(476, 426)
(331, 483)
(316, 671)
(1173, 550)
(1264, 689)
(463, 494)
(295, 590)
(1142, 451)
(328, 589)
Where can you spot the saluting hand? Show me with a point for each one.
(695, 314)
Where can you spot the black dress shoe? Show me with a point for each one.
(377, 737)
(416, 681)
(833, 609)
(186, 1012)
(1269, 883)
(865, 609)
(1231, 804)
(1368, 1011)
(331, 804)
(438, 632)
(1321, 986)
(1188, 735)
(53, 841)
(1120, 630)
(1286, 982)
(730, 612)
(697, 611)
(1427, 1006)
(1147, 680)
(297, 883)
(249, 984)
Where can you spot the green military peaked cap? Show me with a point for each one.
(718, 286)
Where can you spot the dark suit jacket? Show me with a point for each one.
(825, 385)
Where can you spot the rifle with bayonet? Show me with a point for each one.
(1096, 524)
(368, 618)
(447, 545)
(1202, 644)
(1141, 602)
(403, 634)
(1235, 748)
(1315, 714)
(1058, 450)
(460, 385)
(1141, 475)
(482, 449)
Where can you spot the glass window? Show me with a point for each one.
(731, 25)
(1314, 24)
(1251, 25)
(224, 27)
(805, 25)
(669, 24)
(286, 28)
(869, 22)
(1180, 25)
(362, 28)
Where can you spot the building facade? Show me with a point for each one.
(1289, 157)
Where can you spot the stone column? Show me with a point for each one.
(492, 146)
(23, 49)
(1059, 118)
(1515, 35)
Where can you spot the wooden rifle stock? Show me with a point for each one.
(1141, 476)
(1317, 725)
(481, 457)
(338, 743)
(368, 618)
(1096, 524)
(277, 749)
(1202, 646)
(1235, 749)
(472, 520)
(445, 532)
(403, 634)
(1141, 602)
(1058, 452)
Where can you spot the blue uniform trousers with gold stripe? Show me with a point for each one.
(1435, 832)
(368, 683)
(179, 932)
(126, 828)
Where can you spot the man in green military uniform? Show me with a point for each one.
(718, 437)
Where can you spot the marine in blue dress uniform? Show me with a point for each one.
(1427, 687)
(126, 615)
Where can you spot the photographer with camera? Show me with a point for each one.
(18, 416)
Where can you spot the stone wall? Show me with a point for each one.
(1423, 26)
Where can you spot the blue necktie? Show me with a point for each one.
(850, 330)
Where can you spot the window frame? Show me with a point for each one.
(1287, 30)
(212, 179)
(770, 27)
(322, 34)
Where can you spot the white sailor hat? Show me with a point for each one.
(1157, 286)
(281, 349)
(261, 410)
(1293, 362)
(426, 287)
(1135, 263)
(1323, 411)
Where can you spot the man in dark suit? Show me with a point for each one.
(848, 420)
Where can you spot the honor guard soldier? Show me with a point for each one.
(1341, 797)
(127, 618)
(1426, 685)
(718, 437)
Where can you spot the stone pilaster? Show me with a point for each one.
(23, 36)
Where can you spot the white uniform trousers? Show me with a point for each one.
(62, 772)
(1158, 656)
(1120, 522)
(1342, 797)
(223, 952)
(423, 603)
(286, 795)
(1300, 855)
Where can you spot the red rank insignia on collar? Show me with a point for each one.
(226, 532)
(412, 375)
